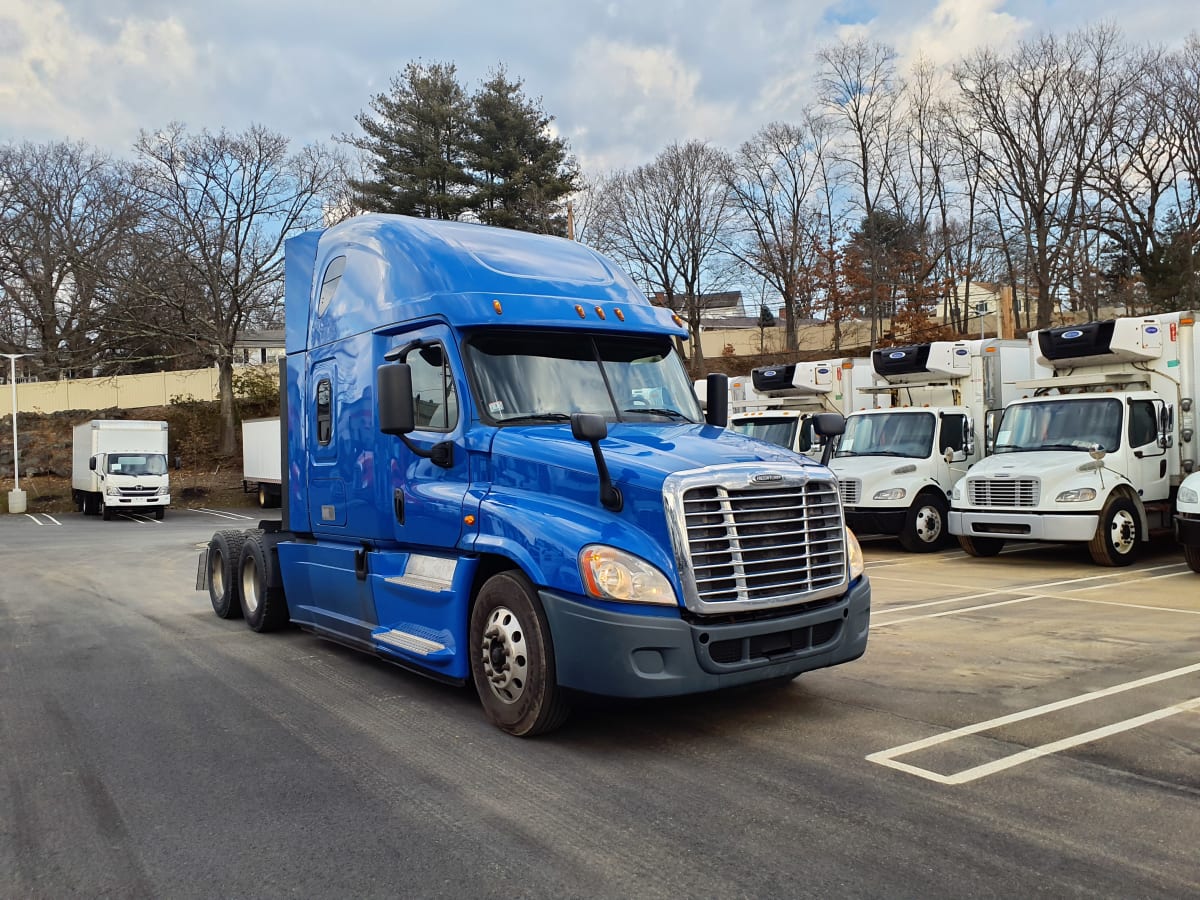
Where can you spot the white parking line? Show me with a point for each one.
(888, 757)
(37, 521)
(221, 515)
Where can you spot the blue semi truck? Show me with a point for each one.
(496, 471)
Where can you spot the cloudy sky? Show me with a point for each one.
(622, 78)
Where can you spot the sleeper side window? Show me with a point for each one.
(324, 412)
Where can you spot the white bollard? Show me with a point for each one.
(16, 501)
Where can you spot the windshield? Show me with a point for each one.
(780, 431)
(136, 464)
(1060, 424)
(538, 377)
(888, 434)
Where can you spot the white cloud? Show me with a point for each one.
(954, 28)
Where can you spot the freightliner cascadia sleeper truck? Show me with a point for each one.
(495, 469)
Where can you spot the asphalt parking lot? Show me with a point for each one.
(1027, 725)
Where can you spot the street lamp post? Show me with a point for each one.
(16, 497)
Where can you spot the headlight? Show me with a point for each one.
(1077, 495)
(854, 555)
(956, 491)
(164, 490)
(1187, 495)
(890, 494)
(612, 574)
(113, 491)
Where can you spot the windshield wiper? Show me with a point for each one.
(1078, 446)
(658, 411)
(537, 417)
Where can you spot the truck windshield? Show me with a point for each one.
(888, 434)
(528, 377)
(1061, 423)
(781, 431)
(136, 464)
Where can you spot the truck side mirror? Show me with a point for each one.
(397, 415)
(593, 429)
(92, 463)
(1166, 426)
(828, 426)
(716, 411)
(968, 441)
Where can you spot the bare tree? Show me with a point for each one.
(774, 184)
(667, 222)
(1044, 112)
(857, 82)
(66, 214)
(223, 205)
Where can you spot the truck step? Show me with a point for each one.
(424, 647)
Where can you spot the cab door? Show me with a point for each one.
(427, 494)
(1147, 460)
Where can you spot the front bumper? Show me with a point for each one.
(1024, 526)
(620, 654)
(864, 520)
(122, 502)
(1187, 530)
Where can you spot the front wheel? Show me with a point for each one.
(980, 546)
(160, 512)
(512, 658)
(925, 524)
(1118, 537)
(1191, 553)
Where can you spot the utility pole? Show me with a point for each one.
(16, 497)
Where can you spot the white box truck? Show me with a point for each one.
(778, 402)
(120, 466)
(1097, 452)
(262, 460)
(896, 465)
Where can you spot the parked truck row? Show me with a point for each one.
(495, 470)
(1081, 433)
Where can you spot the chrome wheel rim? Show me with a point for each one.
(250, 585)
(928, 524)
(1122, 531)
(505, 655)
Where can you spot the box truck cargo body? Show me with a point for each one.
(262, 463)
(120, 466)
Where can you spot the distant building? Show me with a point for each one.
(256, 348)
(713, 307)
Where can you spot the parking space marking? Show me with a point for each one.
(37, 521)
(978, 595)
(888, 758)
(220, 514)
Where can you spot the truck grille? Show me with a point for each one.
(749, 545)
(1003, 491)
(139, 491)
(849, 488)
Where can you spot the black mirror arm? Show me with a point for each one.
(440, 454)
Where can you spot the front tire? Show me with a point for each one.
(980, 546)
(263, 602)
(1118, 540)
(224, 551)
(925, 525)
(512, 658)
(160, 512)
(1191, 553)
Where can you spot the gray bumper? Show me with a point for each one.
(627, 655)
(1024, 526)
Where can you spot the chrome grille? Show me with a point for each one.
(849, 488)
(748, 544)
(1003, 491)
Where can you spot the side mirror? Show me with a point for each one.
(1166, 425)
(1097, 452)
(716, 411)
(968, 441)
(92, 463)
(397, 415)
(593, 429)
(948, 456)
(828, 426)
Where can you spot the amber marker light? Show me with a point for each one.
(677, 320)
(620, 314)
(469, 520)
(600, 313)
(497, 307)
(579, 309)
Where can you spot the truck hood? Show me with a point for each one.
(1048, 466)
(638, 456)
(866, 467)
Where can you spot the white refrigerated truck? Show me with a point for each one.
(778, 402)
(896, 465)
(1096, 453)
(262, 460)
(118, 466)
